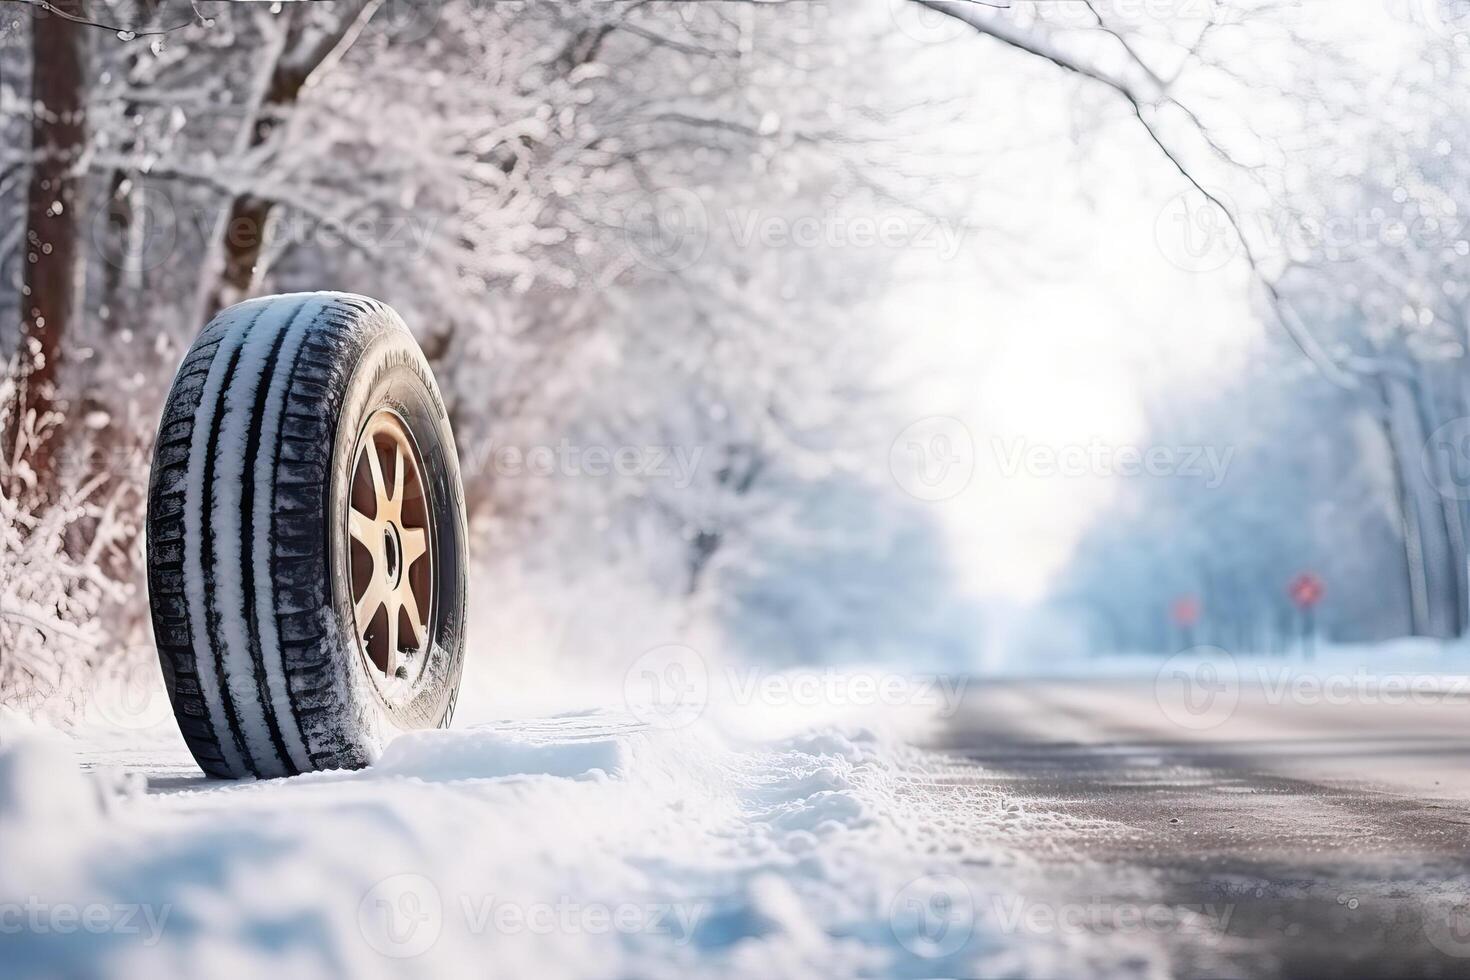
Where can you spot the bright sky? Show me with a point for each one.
(1103, 306)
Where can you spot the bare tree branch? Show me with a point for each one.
(1146, 92)
(125, 33)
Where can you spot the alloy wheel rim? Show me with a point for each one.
(391, 559)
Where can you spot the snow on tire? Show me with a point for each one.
(306, 538)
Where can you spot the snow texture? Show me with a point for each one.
(265, 484)
(256, 336)
(579, 845)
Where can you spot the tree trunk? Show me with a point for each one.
(1432, 572)
(743, 464)
(1449, 504)
(51, 284)
(246, 225)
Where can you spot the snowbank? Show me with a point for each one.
(579, 845)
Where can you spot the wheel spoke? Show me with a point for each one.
(397, 497)
(375, 466)
(363, 528)
(410, 605)
(367, 606)
(415, 546)
(392, 605)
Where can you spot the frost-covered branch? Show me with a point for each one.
(1146, 93)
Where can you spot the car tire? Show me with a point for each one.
(306, 539)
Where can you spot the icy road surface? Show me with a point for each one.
(1306, 826)
(1051, 828)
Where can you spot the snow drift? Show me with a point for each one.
(584, 844)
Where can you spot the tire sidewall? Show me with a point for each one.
(391, 373)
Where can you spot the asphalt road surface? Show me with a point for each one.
(1307, 831)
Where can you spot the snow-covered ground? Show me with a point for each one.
(585, 844)
(784, 827)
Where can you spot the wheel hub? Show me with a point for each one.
(390, 554)
(392, 563)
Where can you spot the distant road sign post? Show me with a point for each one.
(1185, 612)
(1306, 591)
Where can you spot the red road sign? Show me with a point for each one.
(1306, 590)
(1185, 611)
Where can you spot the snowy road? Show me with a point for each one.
(1099, 828)
(1306, 830)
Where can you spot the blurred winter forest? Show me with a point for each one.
(654, 252)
